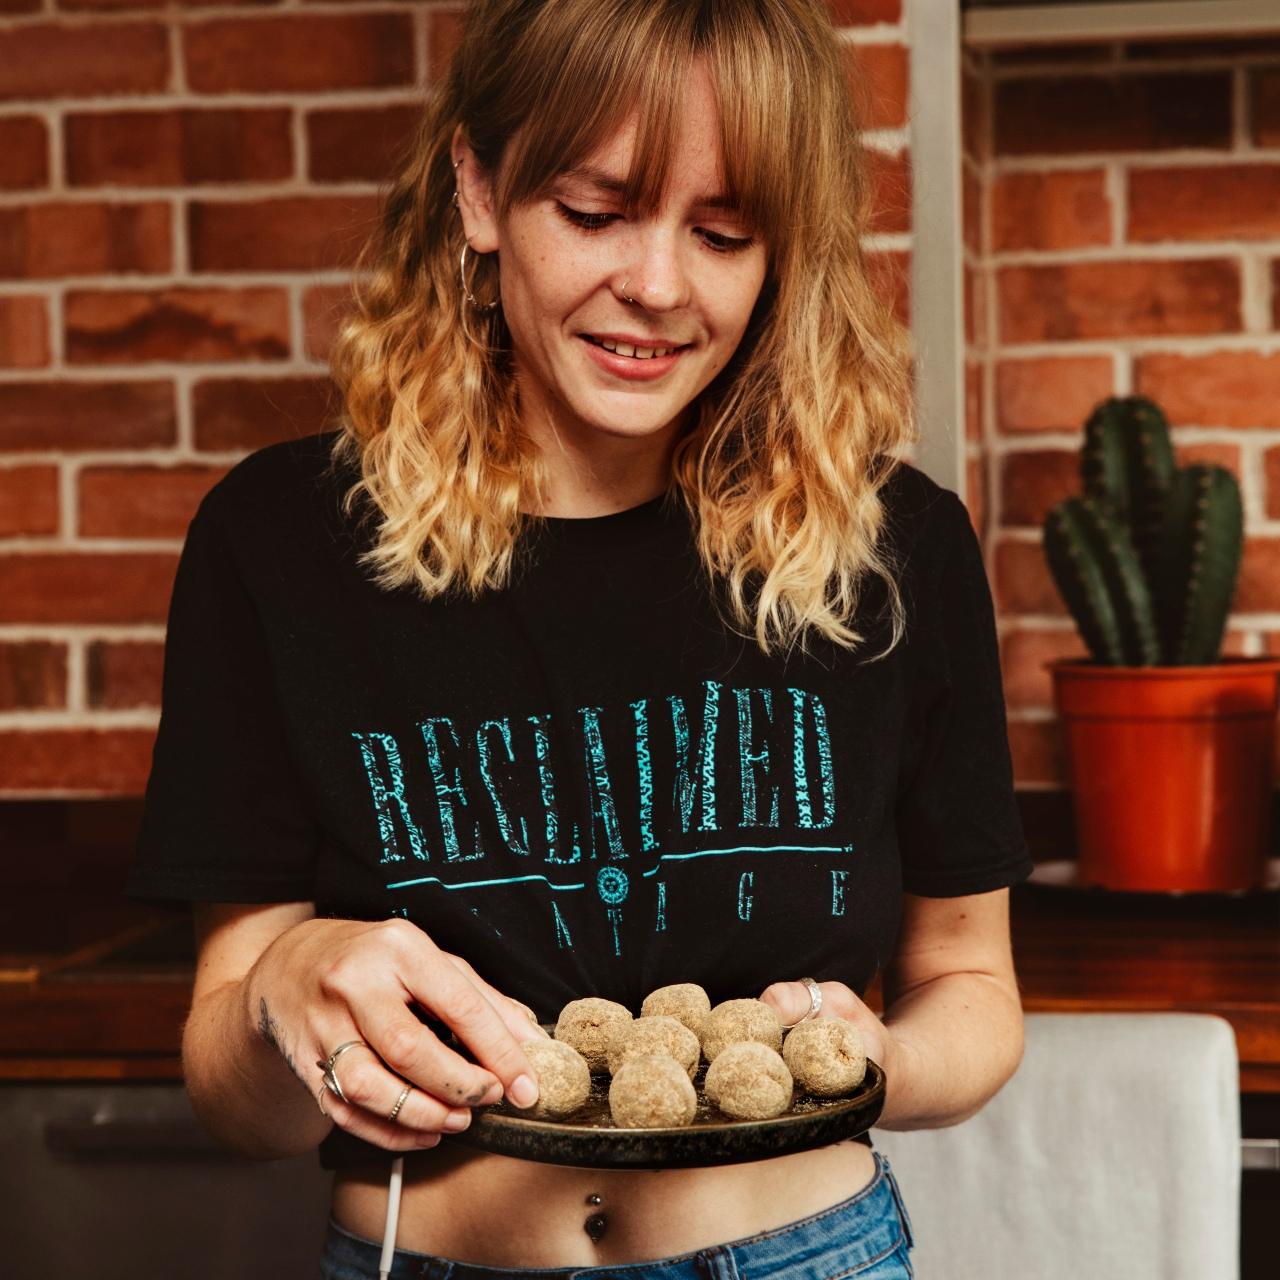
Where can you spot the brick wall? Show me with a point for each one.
(1123, 237)
(183, 188)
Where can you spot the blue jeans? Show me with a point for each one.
(867, 1236)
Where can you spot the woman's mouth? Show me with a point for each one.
(635, 363)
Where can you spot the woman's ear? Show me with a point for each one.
(475, 196)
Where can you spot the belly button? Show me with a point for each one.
(595, 1226)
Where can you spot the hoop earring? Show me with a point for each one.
(466, 293)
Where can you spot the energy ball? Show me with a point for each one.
(564, 1080)
(749, 1081)
(656, 1034)
(652, 1092)
(588, 1025)
(733, 1021)
(826, 1056)
(685, 1001)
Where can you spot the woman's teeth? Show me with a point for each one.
(622, 349)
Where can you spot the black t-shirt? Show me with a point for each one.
(585, 784)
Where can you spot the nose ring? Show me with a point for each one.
(625, 298)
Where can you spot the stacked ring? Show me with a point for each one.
(404, 1093)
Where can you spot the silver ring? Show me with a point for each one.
(326, 1065)
(404, 1093)
(624, 291)
(815, 1003)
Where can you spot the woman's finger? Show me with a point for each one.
(368, 1083)
(388, 1134)
(439, 986)
(515, 1013)
(417, 1054)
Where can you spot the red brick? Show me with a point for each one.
(33, 675)
(71, 586)
(1119, 299)
(142, 502)
(1021, 581)
(178, 148)
(24, 332)
(977, 323)
(1038, 751)
(890, 177)
(20, 6)
(324, 307)
(299, 52)
(125, 325)
(359, 144)
(971, 192)
(1264, 93)
(444, 33)
(122, 674)
(1064, 210)
(1271, 483)
(1050, 393)
(244, 413)
(975, 132)
(857, 13)
(879, 75)
(973, 401)
(1034, 481)
(976, 494)
(44, 60)
(1222, 389)
(24, 153)
(1258, 589)
(1024, 651)
(1073, 115)
(86, 415)
(28, 500)
(1205, 202)
(43, 241)
(102, 762)
(295, 233)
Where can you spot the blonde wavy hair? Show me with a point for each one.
(788, 446)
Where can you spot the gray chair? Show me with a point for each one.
(1112, 1154)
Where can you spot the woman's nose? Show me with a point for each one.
(655, 273)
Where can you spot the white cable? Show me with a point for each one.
(393, 1217)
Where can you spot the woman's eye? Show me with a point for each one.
(596, 221)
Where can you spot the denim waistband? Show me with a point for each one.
(845, 1238)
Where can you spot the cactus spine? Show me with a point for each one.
(1147, 559)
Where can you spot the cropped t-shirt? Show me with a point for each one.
(584, 783)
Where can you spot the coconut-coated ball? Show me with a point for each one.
(588, 1025)
(826, 1056)
(652, 1092)
(749, 1081)
(733, 1021)
(685, 1001)
(655, 1034)
(564, 1080)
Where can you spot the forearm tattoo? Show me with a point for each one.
(269, 1030)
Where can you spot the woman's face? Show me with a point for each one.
(568, 261)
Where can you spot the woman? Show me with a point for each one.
(582, 592)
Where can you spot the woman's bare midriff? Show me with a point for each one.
(471, 1206)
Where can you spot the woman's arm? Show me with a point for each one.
(240, 1082)
(952, 1030)
(952, 1010)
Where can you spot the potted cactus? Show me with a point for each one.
(1170, 746)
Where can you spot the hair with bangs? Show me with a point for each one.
(789, 444)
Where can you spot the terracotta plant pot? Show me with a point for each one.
(1171, 771)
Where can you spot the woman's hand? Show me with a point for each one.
(791, 1002)
(326, 981)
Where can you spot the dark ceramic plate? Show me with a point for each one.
(589, 1139)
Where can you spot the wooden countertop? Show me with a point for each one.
(104, 994)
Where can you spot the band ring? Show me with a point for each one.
(404, 1093)
(815, 1003)
(326, 1065)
